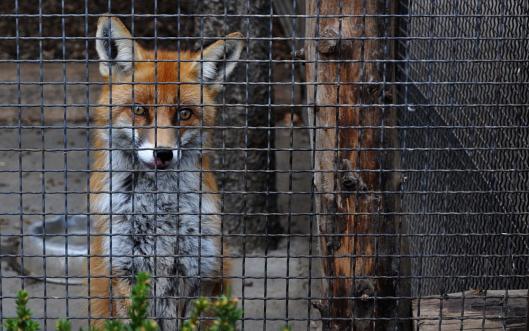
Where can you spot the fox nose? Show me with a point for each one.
(163, 154)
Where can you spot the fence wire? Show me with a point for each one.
(147, 136)
(470, 105)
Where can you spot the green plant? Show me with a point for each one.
(63, 325)
(137, 312)
(223, 312)
(23, 321)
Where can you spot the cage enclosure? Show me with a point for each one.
(332, 164)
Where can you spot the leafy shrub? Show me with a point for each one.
(224, 313)
(224, 310)
(23, 320)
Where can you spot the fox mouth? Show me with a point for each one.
(157, 165)
(160, 158)
(157, 158)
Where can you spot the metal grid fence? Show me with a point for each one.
(470, 98)
(113, 136)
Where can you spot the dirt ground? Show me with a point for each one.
(34, 181)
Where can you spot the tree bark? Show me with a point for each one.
(244, 142)
(344, 99)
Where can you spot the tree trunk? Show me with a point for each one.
(344, 98)
(245, 143)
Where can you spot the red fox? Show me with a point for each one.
(156, 211)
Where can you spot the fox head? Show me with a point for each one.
(159, 102)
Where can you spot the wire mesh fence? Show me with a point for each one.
(333, 164)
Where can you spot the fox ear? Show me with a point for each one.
(115, 47)
(218, 60)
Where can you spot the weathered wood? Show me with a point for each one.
(347, 179)
(472, 310)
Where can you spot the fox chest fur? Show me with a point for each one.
(162, 224)
(155, 214)
(163, 218)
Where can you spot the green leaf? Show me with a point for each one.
(138, 312)
(23, 321)
(139, 307)
(114, 325)
(224, 311)
(63, 325)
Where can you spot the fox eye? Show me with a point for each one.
(184, 114)
(139, 110)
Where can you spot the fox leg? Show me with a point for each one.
(100, 304)
(108, 293)
(121, 289)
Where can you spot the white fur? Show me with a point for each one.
(108, 28)
(218, 60)
(146, 152)
(113, 203)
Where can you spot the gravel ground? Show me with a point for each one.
(260, 277)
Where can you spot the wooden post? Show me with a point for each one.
(343, 81)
